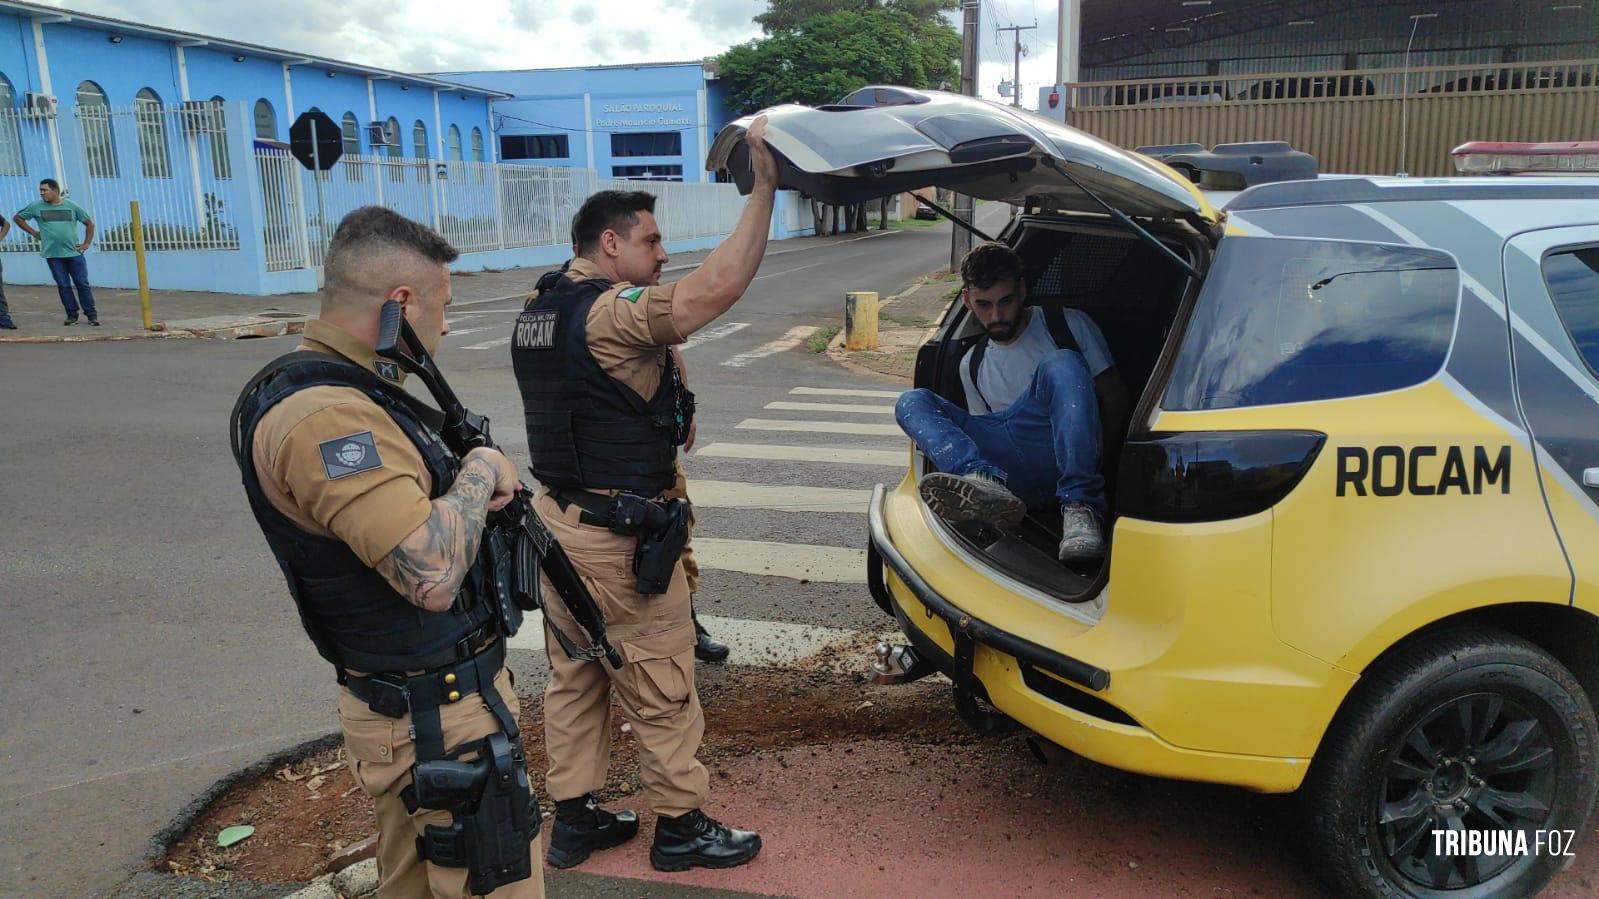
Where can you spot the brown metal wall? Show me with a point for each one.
(1359, 134)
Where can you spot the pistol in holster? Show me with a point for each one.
(661, 528)
(493, 813)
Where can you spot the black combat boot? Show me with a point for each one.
(698, 839)
(706, 647)
(582, 828)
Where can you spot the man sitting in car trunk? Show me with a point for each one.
(1038, 384)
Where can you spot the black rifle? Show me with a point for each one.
(518, 542)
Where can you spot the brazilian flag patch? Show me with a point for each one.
(632, 294)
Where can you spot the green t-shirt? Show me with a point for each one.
(58, 227)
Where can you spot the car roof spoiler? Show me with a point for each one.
(1236, 166)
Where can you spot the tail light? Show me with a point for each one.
(1212, 475)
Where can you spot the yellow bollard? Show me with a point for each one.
(860, 320)
(138, 260)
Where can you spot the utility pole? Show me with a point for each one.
(960, 240)
(1016, 86)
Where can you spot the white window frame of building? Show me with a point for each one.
(394, 152)
(419, 143)
(94, 117)
(350, 136)
(11, 159)
(155, 158)
(453, 144)
(270, 120)
(477, 145)
(221, 163)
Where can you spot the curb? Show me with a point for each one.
(178, 331)
(358, 880)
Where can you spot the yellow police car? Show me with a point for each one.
(1354, 548)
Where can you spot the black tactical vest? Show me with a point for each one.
(584, 428)
(352, 614)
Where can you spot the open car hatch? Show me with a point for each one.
(851, 154)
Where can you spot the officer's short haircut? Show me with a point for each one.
(988, 264)
(372, 229)
(608, 210)
(51, 183)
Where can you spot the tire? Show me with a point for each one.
(1399, 743)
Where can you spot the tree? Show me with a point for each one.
(787, 15)
(826, 56)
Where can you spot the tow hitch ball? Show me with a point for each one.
(896, 665)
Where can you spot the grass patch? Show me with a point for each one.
(908, 319)
(818, 342)
(913, 223)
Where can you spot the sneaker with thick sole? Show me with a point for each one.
(972, 497)
(582, 828)
(698, 840)
(1081, 537)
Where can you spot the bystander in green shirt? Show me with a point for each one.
(58, 227)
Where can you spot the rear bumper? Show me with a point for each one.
(1064, 698)
(961, 624)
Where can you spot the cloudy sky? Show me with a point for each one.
(456, 35)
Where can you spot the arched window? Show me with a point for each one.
(11, 161)
(419, 139)
(350, 128)
(266, 121)
(154, 160)
(391, 149)
(98, 146)
(217, 129)
(454, 144)
(352, 134)
(477, 145)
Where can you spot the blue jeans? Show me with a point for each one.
(69, 271)
(1044, 446)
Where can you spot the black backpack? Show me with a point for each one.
(1059, 331)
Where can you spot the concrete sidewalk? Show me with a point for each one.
(39, 315)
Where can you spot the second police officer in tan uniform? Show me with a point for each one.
(606, 411)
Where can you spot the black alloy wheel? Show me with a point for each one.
(1465, 734)
(1477, 762)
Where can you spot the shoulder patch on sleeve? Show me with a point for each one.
(350, 454)
(631, 294)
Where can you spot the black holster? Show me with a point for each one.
(494, 817)
(661, 529)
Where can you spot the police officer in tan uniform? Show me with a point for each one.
(377, 528)
(606, 410)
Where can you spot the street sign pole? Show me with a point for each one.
(321, 220)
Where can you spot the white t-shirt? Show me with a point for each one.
(1008, 367)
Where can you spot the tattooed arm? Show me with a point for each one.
(428, 566)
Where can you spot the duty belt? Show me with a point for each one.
(599, 509)
(421, 695)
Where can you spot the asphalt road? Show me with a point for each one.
(148, 646)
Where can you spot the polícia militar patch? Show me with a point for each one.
(535, 330)
(352, 454)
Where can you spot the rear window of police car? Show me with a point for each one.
(1288, 320)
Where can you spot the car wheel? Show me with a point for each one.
(1468, 730)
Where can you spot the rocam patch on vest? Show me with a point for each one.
(535, 330)
(351, 454)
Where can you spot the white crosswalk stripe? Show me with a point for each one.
(800, 561)
(785, 406)
(788, 341)
(489, 344)
(819, 427)
(844, 391)
(715, 332)
(828, 454)
(777, 498)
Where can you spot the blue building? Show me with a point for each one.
(651, 120)
(191, 130)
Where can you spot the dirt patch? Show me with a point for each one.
(305, 812)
